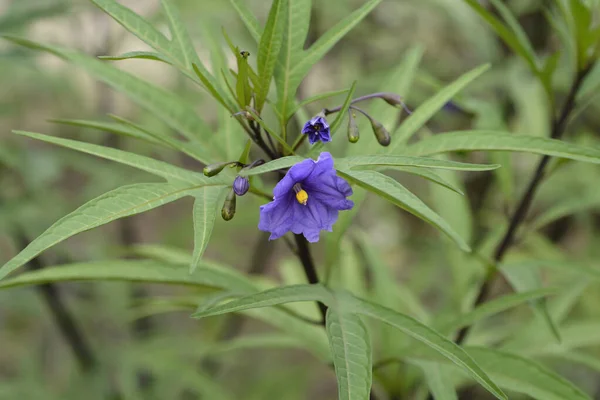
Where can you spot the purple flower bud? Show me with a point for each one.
(317, 129)
(241, 184)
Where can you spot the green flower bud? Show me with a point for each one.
(382, 135)
(228, 210)
(353, 134)
(214, 169)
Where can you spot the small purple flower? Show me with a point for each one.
(317, 129)
(241, 185)
(306, 200)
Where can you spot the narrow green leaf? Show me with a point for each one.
(158, 168)
(164, 104)
(567, 266)
(144, 55)
(130, 271)
(501, 141)
(493, 307)
(272, 297)
(432, 177)
(206, 206)
(389, 189)
(212, 87)
(350, 345)
(296, 21)
(268, 50)
(242, 85)
(525, 376)
(248, 18)
(22, 16)
(280, 163)
(438, 381)
(180, 36)
(571, 205)
(526, 279)
(509, 37)
(141, 28)
(119, 129)
(407, 161)
(342, 113)
(119, 203)
(431, 338)
(428, 109)
(328, 40)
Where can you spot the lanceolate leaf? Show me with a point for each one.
(248, 18)
(119, 203)
(407, 161)
(391, 190)
(521, 375)
(431, 338)
(438, 381)
(428, 109)
(280, 163)
(164, 104)
(432, 177)
(112, 127)
(131, 271)
(205, 211)
(268, 49)
(501, 141)
(145, 55)
(158, 168)
(296, 20)
(272, 297)
(350, 346)
(181, 38)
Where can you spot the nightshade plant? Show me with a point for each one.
(316, 195)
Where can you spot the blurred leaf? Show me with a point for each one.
(567, 266)
(391, 190)
(525, 376)
(315, 98)
(145, 55)
(501, 141)
(248, 18)
(272, 297)
(438, 381)
(432, 177)
(431, 338)
(112, 127)
(268, 50)
(428, 109)
(571, 205)
(296, 21)
(164, 104)
(12, 20)
(206, 205)
(350, 345)
(180, 36)
(212, 86)
(155, 167)
(493, 307)
(407, 161)
(515, 37)
(527, 279)
(130, 271)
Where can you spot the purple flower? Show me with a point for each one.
(317, 129)
(241, 185)
(306, 200)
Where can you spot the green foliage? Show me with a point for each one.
(207, 103)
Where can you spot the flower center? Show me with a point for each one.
(318, 126)
(301, 194)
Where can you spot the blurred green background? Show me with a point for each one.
(144, 352)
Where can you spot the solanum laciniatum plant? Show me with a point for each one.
(303, 167)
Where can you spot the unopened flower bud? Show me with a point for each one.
(382, 135)
(228, 210)
(353, 134)
(241, 184)
(214, 169)
(392, 99)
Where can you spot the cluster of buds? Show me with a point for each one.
(240, 186)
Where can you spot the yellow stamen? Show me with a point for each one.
(302, 197)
